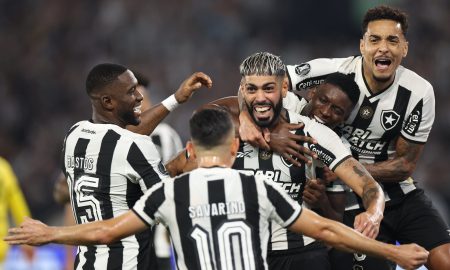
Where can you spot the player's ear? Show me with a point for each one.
(234, 146)
(284, 86)
(107, 102)
(405, 49)
(190, 148)
(361, 46)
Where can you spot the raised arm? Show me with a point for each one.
(361, 182)
(342, 237)
(401, 166)
(36, 233)
(153, 116)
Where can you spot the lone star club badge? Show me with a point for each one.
(389, 119)
(366, 112)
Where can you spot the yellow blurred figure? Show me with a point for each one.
(11, 201)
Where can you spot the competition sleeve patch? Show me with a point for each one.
(412, 124)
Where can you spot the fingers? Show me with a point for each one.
(199, 78)
(301, 138)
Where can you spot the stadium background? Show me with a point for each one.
(48, 46)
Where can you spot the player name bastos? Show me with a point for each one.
(216, 209)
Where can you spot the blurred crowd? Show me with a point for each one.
(48, 46)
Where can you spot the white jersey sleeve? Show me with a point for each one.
(313, 73)
(148, 205)
(294, 103)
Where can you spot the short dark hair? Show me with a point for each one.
(385, 13)
(142, 79)
(210, 127)
(101, 75)
(346, 82)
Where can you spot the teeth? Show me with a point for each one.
(262, 109)
(137, 109)
(319, 120)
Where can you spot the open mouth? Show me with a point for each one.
(318, 119)
(137, 110)
(262, 112)
(382, 63)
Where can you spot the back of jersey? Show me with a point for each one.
(219, 218)
(108, 169)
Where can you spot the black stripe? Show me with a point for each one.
(90, 258)
(252, 215)
(239, 161)
(154, 201)
(78, 171)
(414, 120)
(400, 106)
(362, 121)
(216, 195)
(298, 178)
(282, 207)
(104, 163)
(156, 139)
(63, 162)
(140, 164)
(182, 202)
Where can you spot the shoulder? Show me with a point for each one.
(414, 82)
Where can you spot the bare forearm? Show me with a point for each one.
(85, 234)
(390, 171)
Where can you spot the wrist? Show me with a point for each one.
(170, 103)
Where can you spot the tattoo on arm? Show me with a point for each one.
(370, 192)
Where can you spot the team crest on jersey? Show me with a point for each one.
(265, 154)
(389, 119)
(366, 112)
(303, 69)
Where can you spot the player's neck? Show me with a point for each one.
(213, 161)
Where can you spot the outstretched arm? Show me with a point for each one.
(342, 237)
(401, 166)
(34, 232)
(153, 116)
(358, 178)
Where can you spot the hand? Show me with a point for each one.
(314, 193)
(289, 145)
(188, 87)
(251, 133)
(368, 224)
(410, 256)
(31, 232)
(328, 175)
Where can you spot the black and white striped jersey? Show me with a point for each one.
(405, 108)
(108, 169)
(218, 218)
(167, 141)
(272, 166)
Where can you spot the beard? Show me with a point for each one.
(129, 118)
(269, 122)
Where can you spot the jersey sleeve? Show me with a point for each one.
(145, 161)
(418, 123)
(329, 148)
(312, 73)
(13, 195)
(294, 103)
(284, 209)
(147, 207)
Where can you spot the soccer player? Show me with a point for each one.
(11, 202)
(262, 89)
(218, 217)
(168, 143)
(387, 131)
(108, 168)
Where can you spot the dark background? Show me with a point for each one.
(47, 48)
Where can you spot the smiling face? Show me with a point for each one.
(383, 47)
(329, 105)
(263, 98)
(127, 99)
